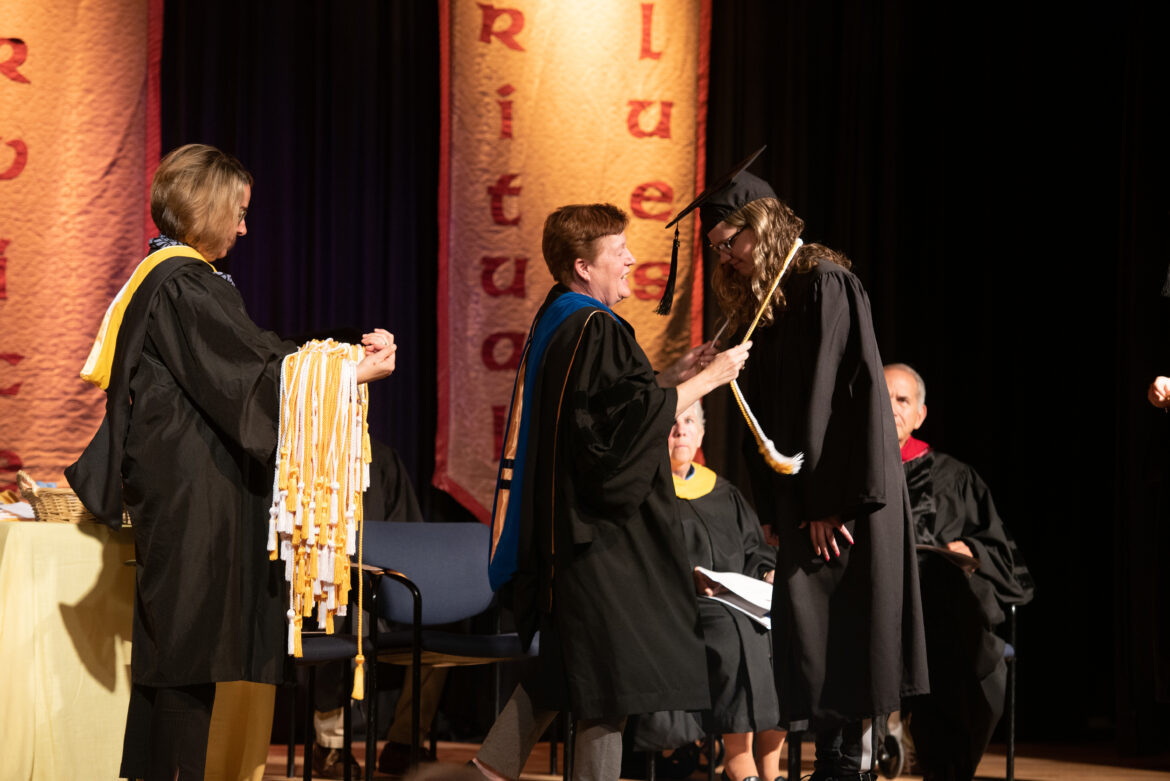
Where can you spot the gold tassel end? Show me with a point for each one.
(359, 678)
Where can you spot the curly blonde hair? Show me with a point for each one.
(776, 227)
(195, 197)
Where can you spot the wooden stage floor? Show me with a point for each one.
(1033, 763)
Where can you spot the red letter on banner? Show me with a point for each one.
(12, 359)
(505, 110)
(515, 342)
(507, 37)
(647, 286)
(17, 164)
(487, 277)
(497, 191)
(499, 421)
(639, 106)
(9, 462)
(15, 59)
(3, 270)
(651, 192)
(647, 25)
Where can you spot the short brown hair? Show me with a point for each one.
(195, 197)
(570, 231)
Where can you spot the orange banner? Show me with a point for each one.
(546, 104)
(78, 141)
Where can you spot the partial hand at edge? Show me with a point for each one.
(1159, 392)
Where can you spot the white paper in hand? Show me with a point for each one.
(750, 596)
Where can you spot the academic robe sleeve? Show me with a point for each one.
(844, 429)
(227, 366)
(391, 495)
(619, 420)
(759, 557)
(1000, 563)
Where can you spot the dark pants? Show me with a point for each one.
(842, 754)
(952, 725)
(166, 732)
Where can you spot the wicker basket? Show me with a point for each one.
(56, 505)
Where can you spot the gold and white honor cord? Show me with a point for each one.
(322, 468)
(785, 465)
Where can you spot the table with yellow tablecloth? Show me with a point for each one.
(66, 608)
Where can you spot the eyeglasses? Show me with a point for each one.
(243, 214)
(725, 245)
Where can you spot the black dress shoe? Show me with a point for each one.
(330, 763)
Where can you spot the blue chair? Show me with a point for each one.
(438, 575)
(1009, 657)
(319, 648)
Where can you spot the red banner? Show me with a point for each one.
(78, 144)
(546, 104)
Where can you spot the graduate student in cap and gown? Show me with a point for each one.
(586, 536)
(847, 623)
(187, 446)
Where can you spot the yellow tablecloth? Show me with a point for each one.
(66, 607)
(66, 601)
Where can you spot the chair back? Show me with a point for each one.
(447, 561)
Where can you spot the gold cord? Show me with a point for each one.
(785, 465)
(321, 472)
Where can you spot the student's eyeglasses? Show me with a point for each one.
(725, 245)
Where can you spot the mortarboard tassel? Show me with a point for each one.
(668, 293)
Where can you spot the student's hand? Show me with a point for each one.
(823, 533)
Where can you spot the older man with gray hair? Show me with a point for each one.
(953, 512)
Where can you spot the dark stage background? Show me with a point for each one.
(998, 178)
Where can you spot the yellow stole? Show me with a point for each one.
(101, 357)
(701, 483)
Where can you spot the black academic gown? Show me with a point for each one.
(196, 471)
(723, 534)
(953, 724)
(847, 634)
(601, 567)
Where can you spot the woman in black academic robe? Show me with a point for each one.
(586, 530)
(847, 622)
(188, 445)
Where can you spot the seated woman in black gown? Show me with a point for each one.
(722, 534)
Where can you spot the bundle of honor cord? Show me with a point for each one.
(322, 468)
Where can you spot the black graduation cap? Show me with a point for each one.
(720, 199)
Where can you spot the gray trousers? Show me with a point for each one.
(597, 750)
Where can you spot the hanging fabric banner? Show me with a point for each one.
(78, 144)
(546, 104)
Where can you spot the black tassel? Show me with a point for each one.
(668, 294)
